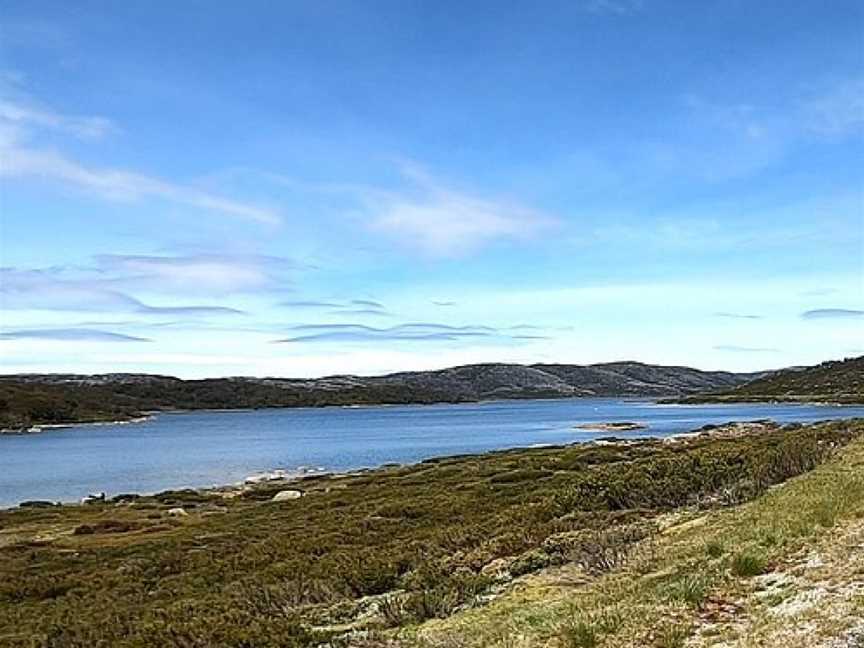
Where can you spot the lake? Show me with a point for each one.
(209, 448)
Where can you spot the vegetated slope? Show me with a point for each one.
(781, 571)
(28, 399)
(383, 550)
(839, 381)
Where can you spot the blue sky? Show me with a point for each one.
(306, 188)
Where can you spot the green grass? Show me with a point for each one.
(748, 563)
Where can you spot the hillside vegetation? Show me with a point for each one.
(836, 382)
(414, 554)
(31, 399)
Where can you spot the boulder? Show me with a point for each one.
(285, 495)
(177, 512)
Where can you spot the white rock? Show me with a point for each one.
(177, 512)
(286, 495)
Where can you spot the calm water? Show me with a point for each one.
(209, 448)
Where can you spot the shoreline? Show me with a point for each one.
(653, 400)
(291, 478)
(37, 428)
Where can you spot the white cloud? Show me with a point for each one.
(18, 123)
(116, 184)
(83, 127)
(41, 290)
(441, 221)
(210, 274)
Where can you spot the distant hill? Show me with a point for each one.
(839, 381)
(28, 399)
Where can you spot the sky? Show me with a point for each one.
(308, 188)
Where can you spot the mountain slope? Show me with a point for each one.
(840, 381)
(28, 399)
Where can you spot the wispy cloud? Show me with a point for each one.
(744, 316)
(832, 313)
(373, 312)
(353, 307)
(18, 159)
(444, 304)
(310, 304)
(30, 115)
(121, 185)
(70, 335)
(197, 273)
(444, 222)
(734, 348)
(415, 332)
(48, 290)
(367, 302)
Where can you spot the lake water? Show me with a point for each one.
(210, 448)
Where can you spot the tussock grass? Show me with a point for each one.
(748, 563)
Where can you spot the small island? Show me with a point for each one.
(613, 426)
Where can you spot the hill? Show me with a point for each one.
(840, 381)
(29, 399)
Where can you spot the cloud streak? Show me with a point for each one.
(28, 115)
(19, 160)
(832, 313)
(744, 316)
(45, 290)
(415, 332)
(734, 348)
(124, 186)
(197, 273)
(70, 335)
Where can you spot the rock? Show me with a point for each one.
(177, 512)
(285, 495)
(93, 498)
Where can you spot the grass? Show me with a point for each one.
(410, 551)
(748, 563)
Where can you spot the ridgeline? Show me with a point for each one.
(36, 399)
